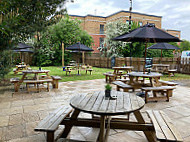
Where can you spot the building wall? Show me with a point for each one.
(92, 23)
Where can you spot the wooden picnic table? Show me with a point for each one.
(20, 68)
(134, 79)
(162, 68)
(36, 79)
(96, 103)
(125, 68)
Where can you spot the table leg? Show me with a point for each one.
(70, 125)
(151, 136)
(102, 128)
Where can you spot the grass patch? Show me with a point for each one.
(97, 73)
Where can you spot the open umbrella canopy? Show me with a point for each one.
(79, 47)
(22, 46)
(24, 50)
(147, 33)
(166, 46)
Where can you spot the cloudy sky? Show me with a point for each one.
(175, 13)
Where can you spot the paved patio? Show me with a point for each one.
(20, 113)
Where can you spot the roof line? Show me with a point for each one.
(134, 13)
(116, 13)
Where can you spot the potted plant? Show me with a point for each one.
(108, 90)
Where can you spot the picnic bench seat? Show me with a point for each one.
(171, 72)
(55, 81)
(165, 130)
(122, 85)
(68, 71)
(89, 70)
(36, 83)
(70, 140)
(109, 77)
(15, 81)
(165, 90)
(51, 122)
(123, 80)
(168, 83)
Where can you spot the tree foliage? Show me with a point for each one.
(185, 45)
(66, 31)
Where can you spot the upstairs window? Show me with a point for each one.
(101, 29)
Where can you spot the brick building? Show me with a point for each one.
(95, 25)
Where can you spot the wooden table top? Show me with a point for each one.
(141, 74)
(36, 71)
(126, 67)
(95, 103)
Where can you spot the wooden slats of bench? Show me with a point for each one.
(169, 83)
(165, 130)
(70, 140)
(52, 121)
(158, 88)
(56, 77)
(122, 85)
(14, 80)
(38, 81)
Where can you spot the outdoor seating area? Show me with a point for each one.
(69, 74)
(67, 108)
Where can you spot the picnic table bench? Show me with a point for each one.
(168, 83)
(109, 77)
(121, 85)
(36, 83)
(165, 130)
(70, 140)
(165, 90)
(51, 122)
(171, 72)
(55, 81)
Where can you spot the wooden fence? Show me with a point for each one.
(182, 66)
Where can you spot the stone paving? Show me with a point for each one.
(20, 113)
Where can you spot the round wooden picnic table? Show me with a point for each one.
(96, 103)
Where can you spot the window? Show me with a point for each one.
(101, 29)
(177, 35)
(101, 42)
(140, 23)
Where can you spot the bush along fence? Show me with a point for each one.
(182, 65)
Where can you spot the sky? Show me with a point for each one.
(175, 13)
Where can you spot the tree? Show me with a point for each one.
(66, 31)
(119, 48)
(20, 19)
(185, 45)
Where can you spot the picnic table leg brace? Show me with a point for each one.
(69, 126)
(151, 136)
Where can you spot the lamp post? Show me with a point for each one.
(130, 10)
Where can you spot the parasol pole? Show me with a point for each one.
(161, 55)
(130, 9)
(83, 57)
(62, 54)
(145, 56)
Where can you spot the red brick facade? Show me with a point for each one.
(93, 24)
